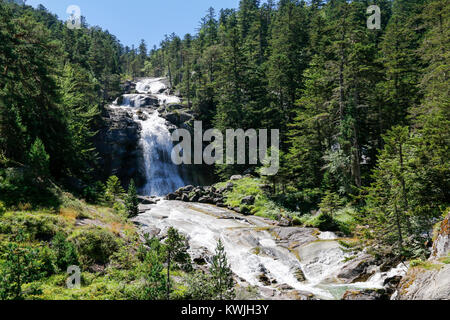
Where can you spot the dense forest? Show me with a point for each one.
(363, 115)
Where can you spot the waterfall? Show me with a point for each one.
(162, 175)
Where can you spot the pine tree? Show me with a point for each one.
(113, 189)
(176, 254)
(38, 158)
(390, 194)
(131, 201)
(151, 271)
(222, 276)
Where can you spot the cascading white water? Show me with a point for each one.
(162, 175)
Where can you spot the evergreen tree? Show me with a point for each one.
(176, 254)
(38, 158)
(221, 274)
(131, 201)
(113, 189)
(151, 271)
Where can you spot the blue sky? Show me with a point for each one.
(133, 20)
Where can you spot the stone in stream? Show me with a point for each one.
(144, 208)
(146, 200)
(367, 294)
(357, 269)
(299, 275)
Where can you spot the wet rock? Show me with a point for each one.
(295, 236)
(392, 282)
(194, 198)
(200, 257)
(146, 200)
(152, 232)
(236, 177)
(299, 275)
(144, 208)
(171, 196)
(430, 280)
(301, 295)
(285, 287)
(205, 200)
(284, 222)
(357, 269)
(264, 279)
(368, 294)
(177, 118)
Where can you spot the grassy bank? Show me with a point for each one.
(342, 219)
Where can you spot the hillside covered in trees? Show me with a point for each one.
(363, 116)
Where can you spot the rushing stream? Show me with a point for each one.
(258, 256)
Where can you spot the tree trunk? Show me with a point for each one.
(405, 196)
(168, 275)
(399, 228)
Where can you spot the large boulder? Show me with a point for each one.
(367, 294)
(357, 269)
(178, 118)
(430, 280)
(430, 283)
(441, 245)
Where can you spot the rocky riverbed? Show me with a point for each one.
(274, 262)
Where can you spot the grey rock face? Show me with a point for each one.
(368, 294)
(178, 118)
(422, 284)
(117, 143)
(432, 280)
(357, 270)
(441, 246)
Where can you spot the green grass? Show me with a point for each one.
(427, 265)
(446, 259)
(343, 220)
(263, 207)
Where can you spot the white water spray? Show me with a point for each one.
(162, 175)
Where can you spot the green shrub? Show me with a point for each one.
(19, 264)
(304, 201)
(39, 226)
(113, 189)
(324, 222)
(2, 209)
(94, 193)
(95, 246)
(21, 185)
(65, 251)
(48, 261)
(120, 209)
